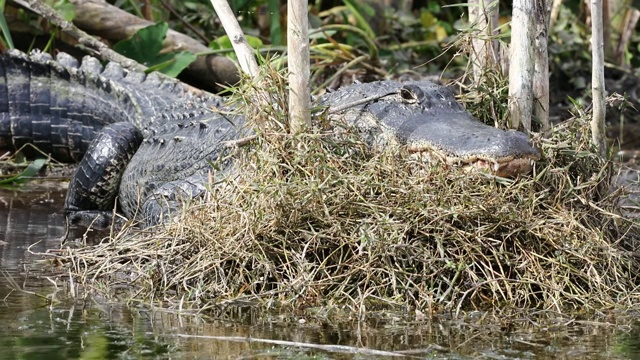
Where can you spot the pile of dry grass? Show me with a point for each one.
(322, 219)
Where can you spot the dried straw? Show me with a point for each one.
(323, 220)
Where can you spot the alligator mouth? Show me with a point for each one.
(508, 167)
(503, 168)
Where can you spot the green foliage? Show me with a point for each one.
(6, 35)
(133, 7)
(402, 39)
(569, 52)
(32, 169)
(145, 47)
(275, 30)
(64, 8)
(361, 11)
(224, 43)
(435, 29)
(198, 13)
(242, 5)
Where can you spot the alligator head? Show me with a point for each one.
(428, 121)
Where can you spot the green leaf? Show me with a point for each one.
(254, 42)
(26, 175)
(214, 45)
(66, 9)
(174, 63)
(223, 42)
(427, 19)
(144, 47)
(359, 11)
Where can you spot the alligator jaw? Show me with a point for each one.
(504, 168)
(458, 138)
(508, 167)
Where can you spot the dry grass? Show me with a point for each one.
(323, 220)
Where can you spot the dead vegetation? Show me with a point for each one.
(323, 220)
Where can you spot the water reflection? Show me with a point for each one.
(33, 328)
(29, 217)
(31, 222)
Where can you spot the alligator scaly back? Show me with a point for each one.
(58, 105)
(61, 105)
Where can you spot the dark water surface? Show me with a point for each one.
(34, 327)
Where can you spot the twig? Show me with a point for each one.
(240, 142)
(101, 50)
(238, 41)
(334, 348)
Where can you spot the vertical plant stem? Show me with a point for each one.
(483, 16)
(521, 68)
(541, 64)
(597, 78)
(299, 73)
(243, 50)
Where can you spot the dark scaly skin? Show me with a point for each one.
(114, 146)
(61, 105)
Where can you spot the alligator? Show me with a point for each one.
(151, 142)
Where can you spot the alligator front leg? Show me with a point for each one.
(93, 189)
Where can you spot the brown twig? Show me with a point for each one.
(100, 49)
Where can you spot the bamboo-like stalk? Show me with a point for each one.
(299, 68)
(243, 50)
(541, 64)
(521, 64)
(597, 78)
(483, 16)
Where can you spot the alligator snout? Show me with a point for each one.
(463, 140)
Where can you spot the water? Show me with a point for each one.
(40, 320)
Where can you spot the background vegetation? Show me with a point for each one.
(364, 39)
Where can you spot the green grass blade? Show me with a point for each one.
(356, 11)
(26, 175)
(6, 35)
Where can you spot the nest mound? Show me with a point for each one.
(323, 219)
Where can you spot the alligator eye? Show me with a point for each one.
(411, 94)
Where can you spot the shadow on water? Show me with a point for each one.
(40, 321)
